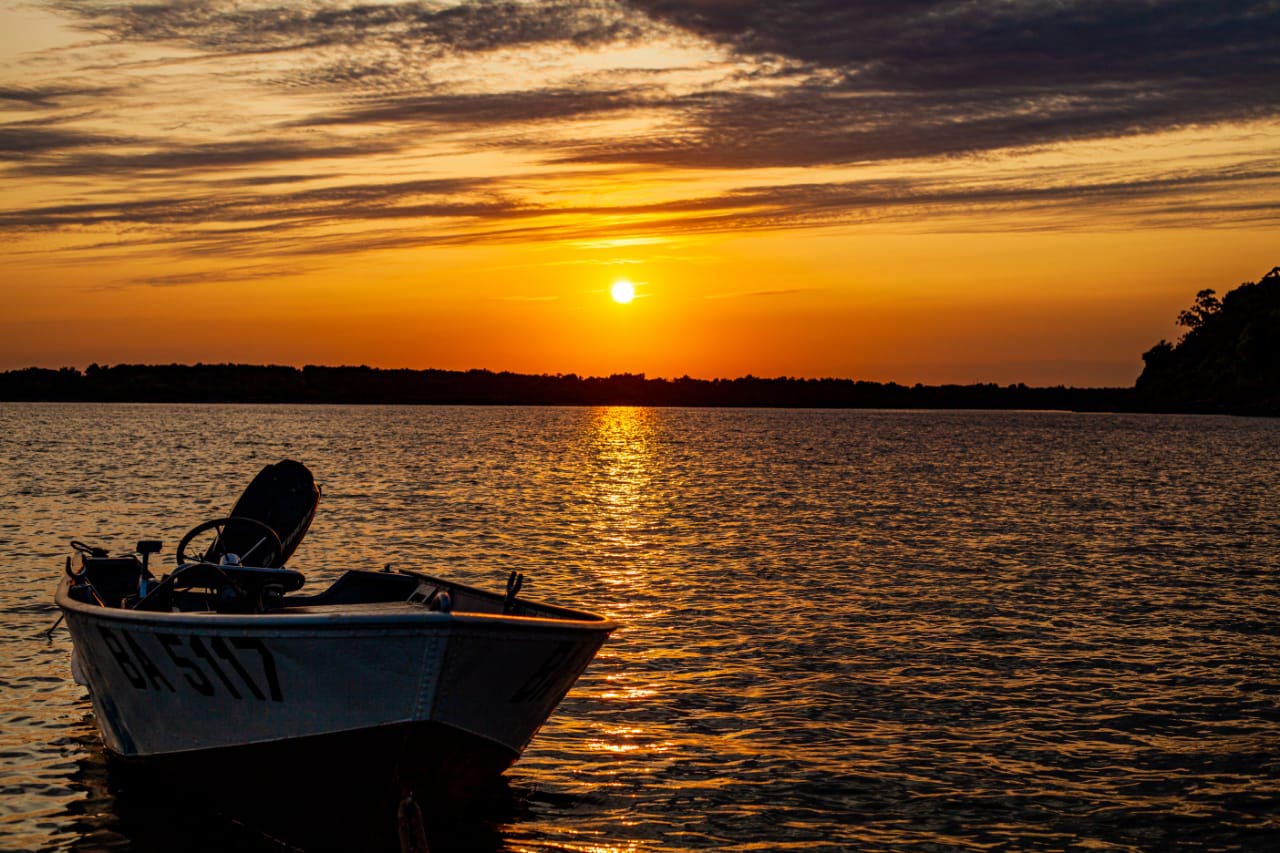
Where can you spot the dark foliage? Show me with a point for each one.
(1228, 360)
(207, 383)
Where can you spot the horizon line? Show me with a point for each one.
(570, 375)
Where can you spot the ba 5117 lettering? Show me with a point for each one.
(240, 667)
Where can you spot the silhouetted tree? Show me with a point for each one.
(1207, 305)
(1228, 360)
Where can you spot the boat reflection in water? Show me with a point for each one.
(119, 809)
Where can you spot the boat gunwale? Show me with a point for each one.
(594, 623)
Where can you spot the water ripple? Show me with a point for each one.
(841, 630)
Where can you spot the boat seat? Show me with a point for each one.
(236, 589)
(282, 496)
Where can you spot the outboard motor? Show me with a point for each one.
(284, 497)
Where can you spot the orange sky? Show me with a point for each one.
(926, 192)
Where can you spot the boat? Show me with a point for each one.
(223, 670)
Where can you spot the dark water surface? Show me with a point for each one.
(841, 630)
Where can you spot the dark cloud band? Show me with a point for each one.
(784, 83)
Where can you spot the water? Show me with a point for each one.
(841, 630)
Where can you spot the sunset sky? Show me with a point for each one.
(889, 190)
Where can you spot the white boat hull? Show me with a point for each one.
(165, 685)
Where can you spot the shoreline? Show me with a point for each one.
(315, 385)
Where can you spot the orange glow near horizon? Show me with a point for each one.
(457, 201)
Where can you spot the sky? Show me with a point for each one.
(911, 191)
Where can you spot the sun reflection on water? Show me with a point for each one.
(625, 501)
(571, 847)
(623, 739)
(618, 490)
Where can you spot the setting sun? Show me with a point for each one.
(623, 291)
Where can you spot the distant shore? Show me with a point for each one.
(242, 383)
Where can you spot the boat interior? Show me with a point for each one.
(236, 564)
(200, 587)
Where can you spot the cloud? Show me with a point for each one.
(218, 27)
(873, 81)
(835, 126)
(209, 276)
(955, 45)
(237, 222)
(486, 109)
(835, 81)
(822, 82)
(371, 94)
(22, 140)
(230, 203)
(785, 291)
(931, 78)
(43, 96)
(103, 156)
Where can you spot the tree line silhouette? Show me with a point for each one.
(244, 383)
(1228, 360)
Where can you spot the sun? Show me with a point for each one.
(622, 291)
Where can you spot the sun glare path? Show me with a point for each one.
(623, 291)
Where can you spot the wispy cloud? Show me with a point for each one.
(765, 110)
(220, 27)
(98, 156)
(23, 141)
(751, 294)
(207, 276)
(234, 220)
(18, 96)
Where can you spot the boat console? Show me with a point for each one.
(109, 581)
(234, 564)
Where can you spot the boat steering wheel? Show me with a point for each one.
(216, 550)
